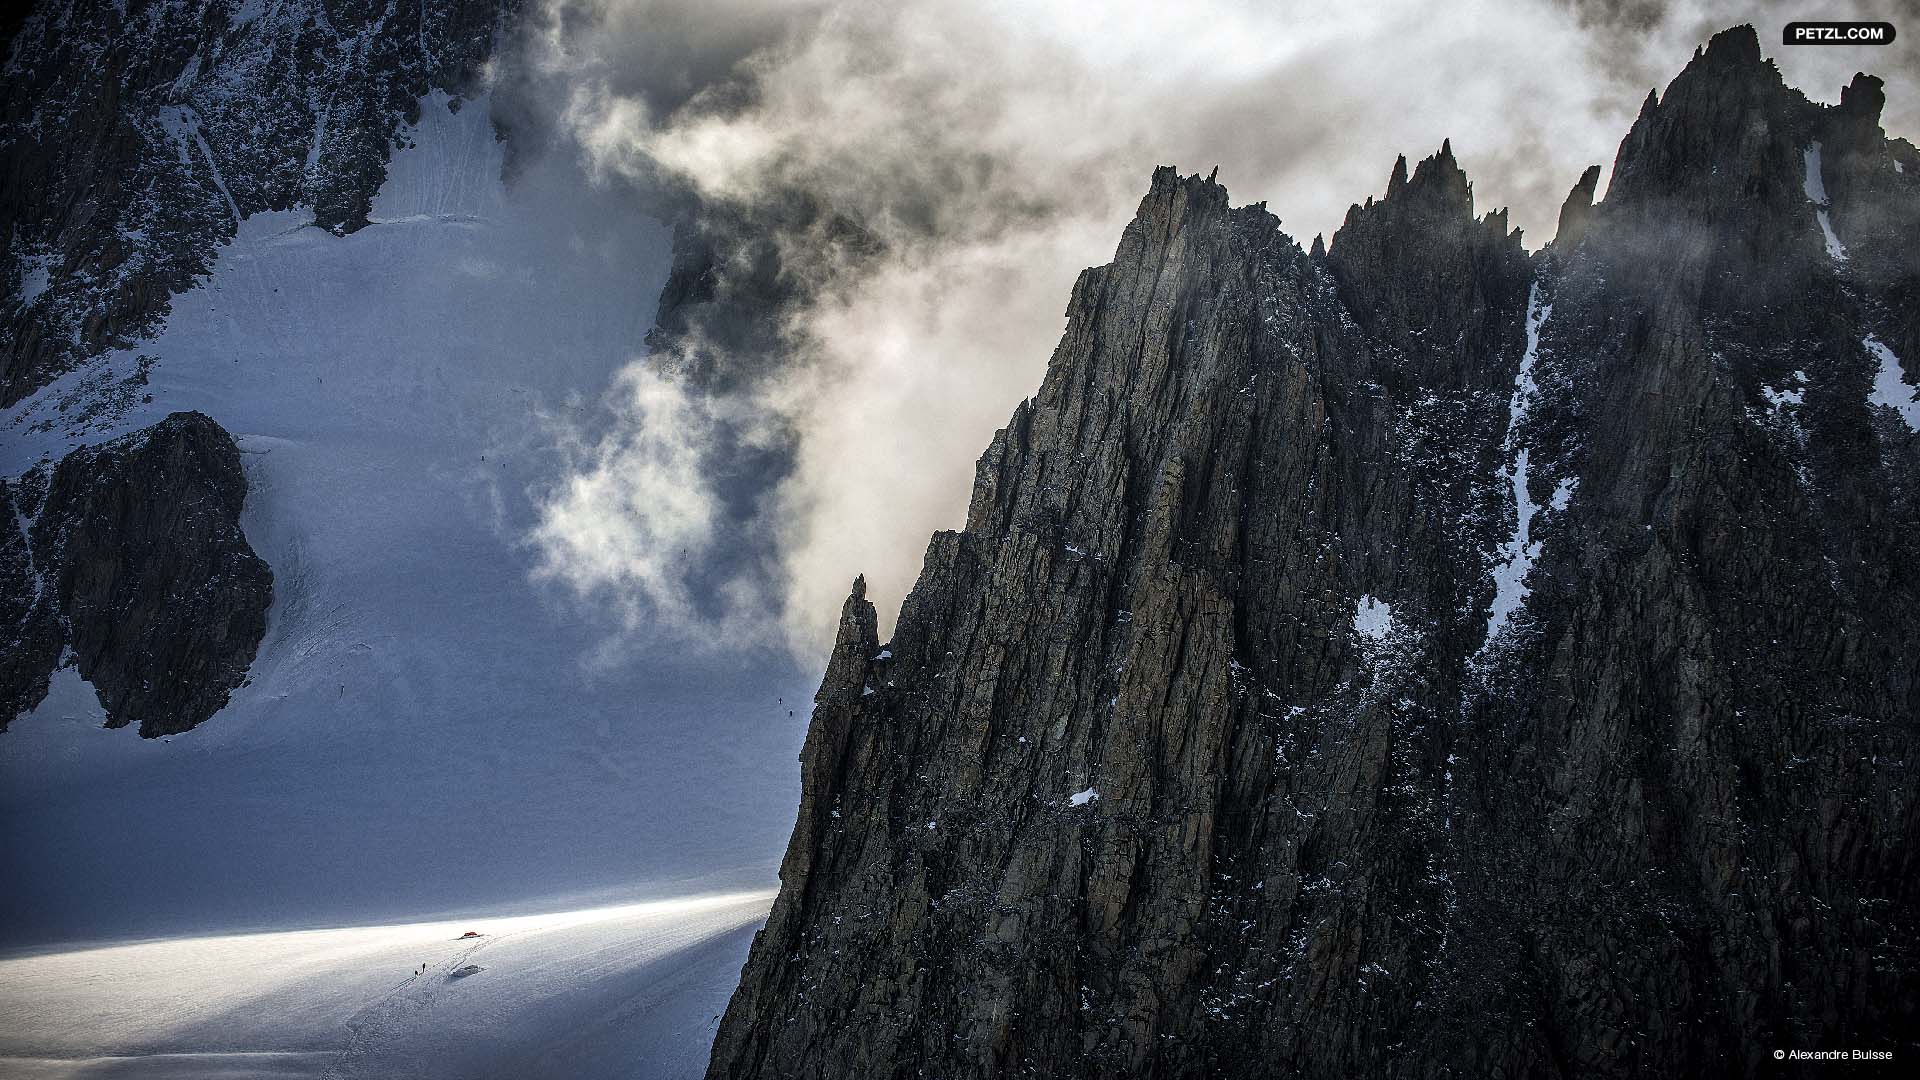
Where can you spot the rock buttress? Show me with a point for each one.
(129, 558)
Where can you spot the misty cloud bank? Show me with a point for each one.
(883, 206)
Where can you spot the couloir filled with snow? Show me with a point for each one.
(429, 732)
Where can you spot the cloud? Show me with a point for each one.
(631, 525)
(916, 185)
(1637, 45)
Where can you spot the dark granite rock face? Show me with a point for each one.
(129, 555)
(29, 624)
(133, 137)
(1224, 742)
(1577, 210)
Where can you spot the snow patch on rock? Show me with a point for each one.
(1372, 619)
(1517, 554)
(1816, 189)
(1890, 387)
(1792, 393)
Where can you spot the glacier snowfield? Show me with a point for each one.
(620, 991)
(431, 739)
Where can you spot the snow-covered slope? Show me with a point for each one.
(426, 729)
(621, 991)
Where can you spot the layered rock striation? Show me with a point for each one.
(1408, 658)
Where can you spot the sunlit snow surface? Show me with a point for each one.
(427, 731)
(619, 991)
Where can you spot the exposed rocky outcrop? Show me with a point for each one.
(1577, 210)
(128, 559)
(1410, 659)
(134, 137)
(29, 622)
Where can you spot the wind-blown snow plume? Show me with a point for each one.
(911, 189)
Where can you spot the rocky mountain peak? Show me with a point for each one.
(1422, 660)
(1726, 130)
(1441, 178)
(1172, 198)
(857, 637)
(1732, 48)
(1397, 182)
(1438, 188)
(1862, 99)
(1418, 268)
(1576, 211)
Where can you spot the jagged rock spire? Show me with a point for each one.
(1736, 46)
(1416, 267)
(1576, 211)
(1864, 98)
